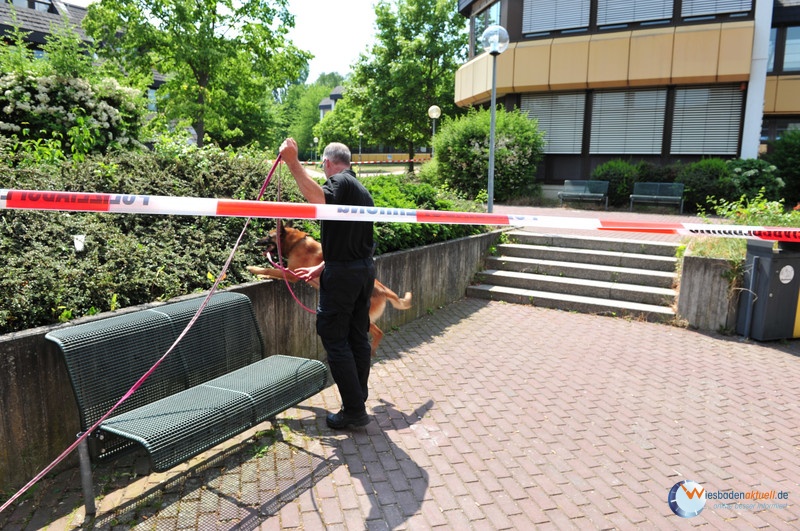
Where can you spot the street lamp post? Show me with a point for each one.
(495, 42)
(316, 154)
(434, 112)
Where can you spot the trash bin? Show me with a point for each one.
(768, 306)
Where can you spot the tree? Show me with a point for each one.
(300, 109)
(343, 123)
(218, 56)
(420, 44)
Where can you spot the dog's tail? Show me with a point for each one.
(401, 304)
(392, 297)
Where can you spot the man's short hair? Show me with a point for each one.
(337, 153)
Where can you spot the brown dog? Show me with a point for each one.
(301, 250)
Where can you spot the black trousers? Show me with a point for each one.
(343, 327)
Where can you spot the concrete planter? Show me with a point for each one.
(706, 299)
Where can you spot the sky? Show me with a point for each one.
(335, 32)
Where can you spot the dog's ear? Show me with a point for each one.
(288, 223)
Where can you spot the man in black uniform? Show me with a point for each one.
(347, 276)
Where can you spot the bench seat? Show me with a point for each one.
(180, 426)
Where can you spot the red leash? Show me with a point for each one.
(279, 266)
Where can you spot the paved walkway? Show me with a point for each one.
(490, 415)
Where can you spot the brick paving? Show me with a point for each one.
(490, 415)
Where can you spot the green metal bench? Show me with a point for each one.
(214, 385)
(658, 193)
(577, 190)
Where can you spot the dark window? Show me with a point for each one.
(791, 51)
(480, 22)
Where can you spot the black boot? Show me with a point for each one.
(343, 419)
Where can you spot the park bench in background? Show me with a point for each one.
(214, 385)
(577, 190)
(658, 193)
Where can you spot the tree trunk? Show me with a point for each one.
(200, 122)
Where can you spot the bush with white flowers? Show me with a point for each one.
(83, 116)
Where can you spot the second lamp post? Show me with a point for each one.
(495, 42)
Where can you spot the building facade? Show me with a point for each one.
(654, 80)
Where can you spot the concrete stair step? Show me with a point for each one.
(581, 287)
(625, 275)
(603, 244)
(571, 302)
(589, 256)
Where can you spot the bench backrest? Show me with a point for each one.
(224, 338)
(658, 189)
(573, 186)
(105, 358)
(597, 187)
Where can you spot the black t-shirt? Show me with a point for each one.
(343, 241)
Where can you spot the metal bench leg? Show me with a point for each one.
(86, 476)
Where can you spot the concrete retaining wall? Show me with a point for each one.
(39, 414)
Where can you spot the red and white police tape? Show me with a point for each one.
(11, 199)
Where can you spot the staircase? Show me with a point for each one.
(589, 275)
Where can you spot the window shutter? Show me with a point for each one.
(628, 122)
(707, 120)
(695, 8)
(540, 16)
(560, 117)
(625, 11)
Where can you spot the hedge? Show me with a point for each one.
(135, 259)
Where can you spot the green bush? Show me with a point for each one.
(134, 259)
(751, 177)
(754, 211)
(647, 172)
(77, 115)
(400, 192)
(620, 175)
(703, 179)
(461, 151)
(785, 154)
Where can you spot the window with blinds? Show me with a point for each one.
(707, 120)
(628, 122)
(626, 11)
(540, 16)
(560, 117)
(696, 8)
